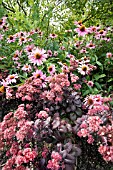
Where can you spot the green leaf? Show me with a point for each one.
(86, 92)
(111, 79)
(97, 77)
(98, 85)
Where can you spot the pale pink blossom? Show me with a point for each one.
(37, 56)
(39, 74)
(11, 78)
(82, 30)
(90, 83)
(109, 55)
(49, 52)
(11, 38)
(83, 69)
(53, 35)
(27, 68)
(51, 69)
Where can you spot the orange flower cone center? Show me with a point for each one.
(1, 22)
(37, 55)
(101, 31)
(11, 77)
(50, 68)
(80, 22)
(37, 75)
(2, 89)
(11, 37)
(82, 28)
(84, 68)
(90, 101)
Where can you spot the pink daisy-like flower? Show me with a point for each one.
(53, 35)
(2, 23)
(78, 23)
(55, 53)
(16, 55)
(21, 34)
(4, 83)
(11, 78)
(38, 74)
(11, 39)
(83, 51)
(29, 48)
(100, 34)
(83, 69)
(109, 55)
(82, 30)
(27, 68)
(90, 45)
(90, 83)
(1, 58)
(22, 40)
(49, 52)
(5, 28)
(51, 69)
(89, 101)
(93, 29)
(37, 56)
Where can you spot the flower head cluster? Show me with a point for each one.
(98, 121)
(54, 163)
(37, 56)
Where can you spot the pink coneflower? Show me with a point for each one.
(62, 48)
(11, 38)
(78, 23)
(2, 23)
(84, 60)
(1, 58)
(37, 56)
(18, 65)
(83, 69)
(71, 56)
(40, 33)
(31, 32)
(83, 50)
(5, 27)
(82, 30)
(4, 83)
(100, 34)
(29, 48)
(90, 83)
(90, 45)
(77, 44)
(89, 101)
(16, 55)
(93, 29)
(55, 53)
(53, 35)
(51, 69)
(21, 34)
(22, 40)
(49, 52)
(11, 78)
(109, 55)
(27, 68)
(38, 74)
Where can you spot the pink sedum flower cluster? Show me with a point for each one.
(54, 163)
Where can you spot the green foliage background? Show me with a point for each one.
(52, 15)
